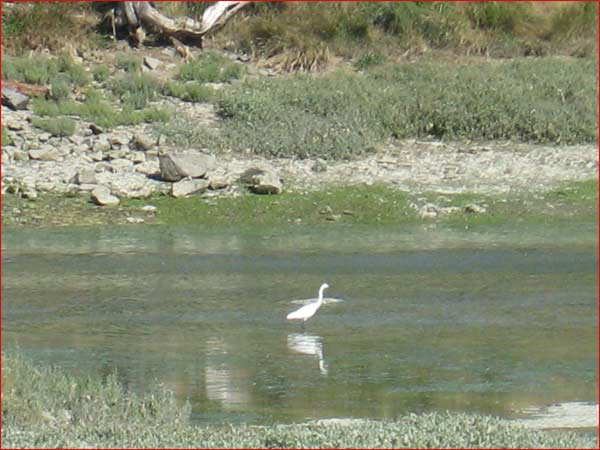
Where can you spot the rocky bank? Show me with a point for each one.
(130, 162)
(126, 162)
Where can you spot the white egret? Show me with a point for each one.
(307, 311)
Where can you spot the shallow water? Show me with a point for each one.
(491, 320)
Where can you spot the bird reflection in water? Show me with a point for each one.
(225, 383)
(308, 344)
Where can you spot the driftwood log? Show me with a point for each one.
(141, 17)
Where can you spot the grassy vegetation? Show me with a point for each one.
(136, 90)
(46, 25)
(123, 99)
(58, 126)
(376, 205)
(44, 70)
(133, 92)
(353, 205)
(210, 67)
(344, 114)
(101, 73)
(99, 111)
(269, 29)
(190, 92)
(45, 407)
(490, 28)
(128, 63)
(6, 140)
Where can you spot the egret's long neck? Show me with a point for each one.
(321, 290)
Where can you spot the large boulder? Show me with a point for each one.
(85, 176)
(261, 181)
(178, 165)
(189, 186)
(14, 99)
(44, 153)
(101, 196)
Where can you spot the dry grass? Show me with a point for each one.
(289, 31)
(52, 26)
(296, 33)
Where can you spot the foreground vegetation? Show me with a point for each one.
(350, 205)
(45, 407)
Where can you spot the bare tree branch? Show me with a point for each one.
(145, 15)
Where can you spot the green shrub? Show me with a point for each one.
(343, 115)
(58, 126)
(136, 90)
(75, 72)
(574, 27)
(42, 70)
(189, 92)
(369, 59)
(6, 139)
(210, 67)
(399, 18)
(496, 15)
(576, 18)
(59, 88)
(101, 73)
(128, 63)
(99, 111)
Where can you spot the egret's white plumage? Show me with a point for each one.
(307, 311)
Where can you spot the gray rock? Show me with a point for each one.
(136, 192)
(217, 183)
(137, 157)
(96, 156)
(147, 168)
(78, 139)
(101, 145)
(44, 137)
(118, 139)
(30, 194)
(85, 176)
(86, 187)
(474, 208)
(13, 124)
(187, 187)
(116, 154)
(319, 166)
(176, 166)
(47, 186)
(429, 211)
(101, 196)
(152, 63)
(20, 155)
(120, 165)
(44, 153)
(95, 129)
(261, 181)
(79, 149)
(13, 99)
(143, 142)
